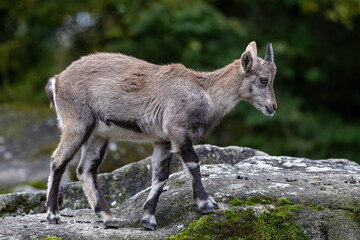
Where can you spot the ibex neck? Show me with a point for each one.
(222, 86)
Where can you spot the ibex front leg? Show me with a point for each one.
(205, 203)
(160, 161)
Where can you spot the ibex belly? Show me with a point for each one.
(117, 133)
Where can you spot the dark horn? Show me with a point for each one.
(269, 53)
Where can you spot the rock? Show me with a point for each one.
(326, 201)
(120, 184)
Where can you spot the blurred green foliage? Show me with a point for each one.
(316, 46)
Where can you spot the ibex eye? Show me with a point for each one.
(264, 80)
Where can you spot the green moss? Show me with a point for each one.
(43, 197)
(317, 207)
(123, 195)
(283, 202)
(229, 213)
(355, 215)
(21, 200)
(9, 208)
(255, 200)
(181, 201)
(236, 202)
(38, 184)
(48, 238)
(19, 203)
(178, 183)
(277, 223)
(5, 190)
(198, 229)
(186, 209)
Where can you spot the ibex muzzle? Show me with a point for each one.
(106, 96)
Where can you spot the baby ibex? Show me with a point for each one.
(107, 96)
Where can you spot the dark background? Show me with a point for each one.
(316, 46)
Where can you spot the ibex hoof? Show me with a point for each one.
(113, 223)
(149, 222)
(208, 206)
(53, 219)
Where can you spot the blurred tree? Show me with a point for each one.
(315, 42)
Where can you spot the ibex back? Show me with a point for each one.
(106, 96)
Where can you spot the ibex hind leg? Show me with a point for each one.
(71, 141)
(160, 161)
(92, 155)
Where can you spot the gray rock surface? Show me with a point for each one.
(120, 184)
(228, 173)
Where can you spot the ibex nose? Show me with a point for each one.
(274, 107)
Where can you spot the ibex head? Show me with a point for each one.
(257, 79)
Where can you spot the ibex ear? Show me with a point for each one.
(252, 48)
(246, 61)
